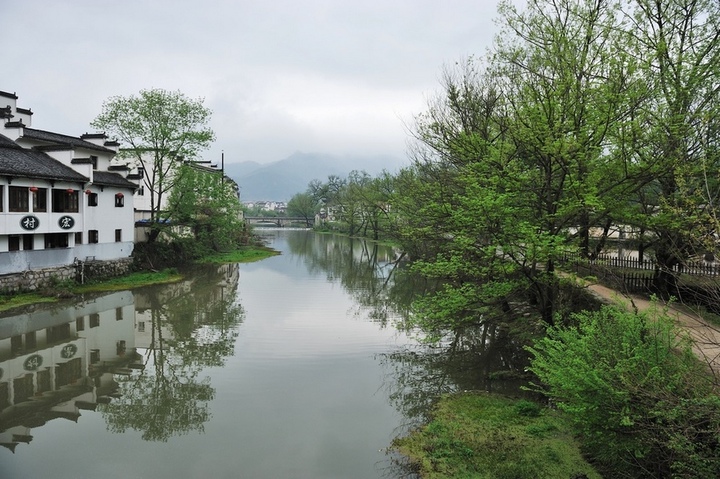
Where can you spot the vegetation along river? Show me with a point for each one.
(293, 366)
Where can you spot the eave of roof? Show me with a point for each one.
(21, 163)
(106, 178)
(57, 138)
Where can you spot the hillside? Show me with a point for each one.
(280, 180)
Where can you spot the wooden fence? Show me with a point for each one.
(638, 283)
(693, 268)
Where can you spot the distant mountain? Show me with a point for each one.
(280, 180)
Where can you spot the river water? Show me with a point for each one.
(290, 367)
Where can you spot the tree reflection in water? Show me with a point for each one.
(479, 358)
(193, 325)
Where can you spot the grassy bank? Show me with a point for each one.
(246, 254)
(62, 290)
(479, 435)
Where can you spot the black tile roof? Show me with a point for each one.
(57, 138)
(23, 163)
(105, 178)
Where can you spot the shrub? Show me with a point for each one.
(642, 402)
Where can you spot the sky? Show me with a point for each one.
(334, 77)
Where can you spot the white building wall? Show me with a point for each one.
(106, 217)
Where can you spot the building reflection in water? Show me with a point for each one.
(58, 361)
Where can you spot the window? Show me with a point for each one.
(93, 160)
(13, 243)
(18, 199)
(56, 240)
(118, 236)
(1, 197)
(93, 236)
(30, 340)
(92, 199)
(118, 314)
(78, 237)
(39, 198)
(16, 344)
(65, 201)
(58, 333)
(94, 320)
(140, 191)
(119, 200)
(80, 323)
(28, 242)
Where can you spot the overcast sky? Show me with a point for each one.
(280, 76)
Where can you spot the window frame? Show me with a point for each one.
(18, 199)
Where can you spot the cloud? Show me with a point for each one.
(281, 76)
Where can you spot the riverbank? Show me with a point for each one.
(481, 435)
(455, 442)
(58, 291)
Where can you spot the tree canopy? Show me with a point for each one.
(160, 129)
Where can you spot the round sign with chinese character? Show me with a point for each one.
(32, 363)
(66, 222)
(29, 222)
(68, 351)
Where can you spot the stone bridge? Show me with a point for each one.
(280, 221)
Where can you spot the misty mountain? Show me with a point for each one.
(280, 180)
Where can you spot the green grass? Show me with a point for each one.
(479, 435)
(130, 281)
(17, 300)
(243, 255)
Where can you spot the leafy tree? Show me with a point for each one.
(674, 132)
(302, 205)
(566, 85)
(642, 402)
(207, 202)
(327, 193)
(161, 128)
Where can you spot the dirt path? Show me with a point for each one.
(706, 336)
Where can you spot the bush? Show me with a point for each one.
(642, 402)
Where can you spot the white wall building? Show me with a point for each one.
(62, 198)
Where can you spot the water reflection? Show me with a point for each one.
(481, 358)
(133, 357)
(367, 270)
(313, 376)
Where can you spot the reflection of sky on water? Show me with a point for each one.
(301, 396)
(317, 316)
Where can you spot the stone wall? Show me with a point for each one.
(80, 272)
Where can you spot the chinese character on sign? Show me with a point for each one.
(66, 222)
(68, 351)
(29, 222)
(33, 362)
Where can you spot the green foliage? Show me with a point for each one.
(208, 205)
(160, 130)
(302, 205)
(642, 402)
(358, 205)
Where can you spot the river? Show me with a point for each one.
(290, 367)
